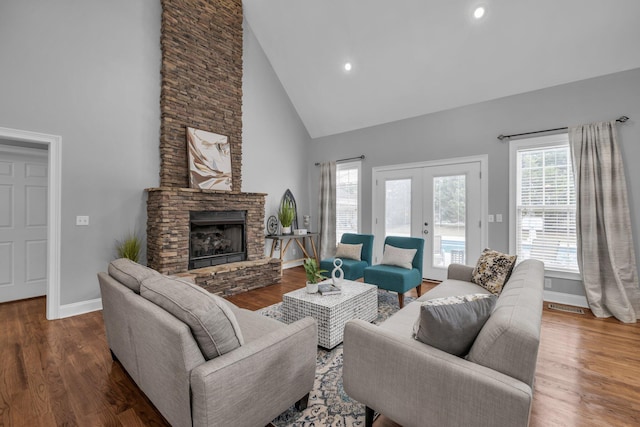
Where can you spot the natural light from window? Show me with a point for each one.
(347, 198)
(545, 203)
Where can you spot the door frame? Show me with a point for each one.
(484, 185)
(54, 151)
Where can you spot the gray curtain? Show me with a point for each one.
(327, 205)
(606, 255)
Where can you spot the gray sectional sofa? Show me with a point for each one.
(273, 368)
(415, 384)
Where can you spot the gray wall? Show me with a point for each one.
(472, 130)
(274, 140)
(88, 71)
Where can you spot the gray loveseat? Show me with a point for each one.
(418, 385)
(248, 386)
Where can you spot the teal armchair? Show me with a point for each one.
(353, 269)
(398, 279)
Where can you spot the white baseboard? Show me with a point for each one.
(290, 264)
(567, 299)
(82, 307)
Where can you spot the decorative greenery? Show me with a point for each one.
(286, 213)
(129, 247)
(314, 274)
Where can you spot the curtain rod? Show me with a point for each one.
(621, 119)
(360, 157)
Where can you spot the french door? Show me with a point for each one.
(443, 203)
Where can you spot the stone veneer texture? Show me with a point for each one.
(201, 43)
(168, 223)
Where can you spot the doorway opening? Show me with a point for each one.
(52, 143)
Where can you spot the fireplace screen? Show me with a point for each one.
(216, 238)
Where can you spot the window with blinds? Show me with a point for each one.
(347, 198)
(545, 211)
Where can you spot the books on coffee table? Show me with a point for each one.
(328, 289)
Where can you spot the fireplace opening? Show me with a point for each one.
(216, 238)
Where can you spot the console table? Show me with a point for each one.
(285, 241)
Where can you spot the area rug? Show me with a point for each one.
(329, 405)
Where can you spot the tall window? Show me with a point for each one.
(543, 221)
(347, 198)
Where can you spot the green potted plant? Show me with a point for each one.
(129, 247)
(314, 274)
(286, 215)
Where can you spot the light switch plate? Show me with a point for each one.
(490, 218)
(82, 220)
(498, 217)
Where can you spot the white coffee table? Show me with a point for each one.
(357, 301)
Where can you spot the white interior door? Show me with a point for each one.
(440, 203)
(23, 223)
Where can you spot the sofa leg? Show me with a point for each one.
(301, 404)
(419, 290)
(368, 416)
(400, 299)
(113, 356)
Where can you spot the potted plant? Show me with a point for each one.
(314, 274)
(129, 247)
(286, 215)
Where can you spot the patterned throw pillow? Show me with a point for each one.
(349, 251)
(399, 257)
(493, 270)
(452, 324)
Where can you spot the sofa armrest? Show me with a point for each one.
(459, 272)
(255, 383)
(418, 385)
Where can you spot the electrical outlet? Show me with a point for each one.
(82, 220)
(490, 218)
(547, 283)
(498, 217)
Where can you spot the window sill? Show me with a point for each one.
(557, 274)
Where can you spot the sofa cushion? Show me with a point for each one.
(129, 273)
(210, 319)
(492, 270)
(452, 324)
(399, 257)
(349, 251)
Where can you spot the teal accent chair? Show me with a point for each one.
(398, 279)
(352, 269)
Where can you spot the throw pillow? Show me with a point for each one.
(129, 273)
(399, 257)
(349, 251)
(212, 323)
(493, 270)
(452, 324)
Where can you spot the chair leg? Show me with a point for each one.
(400, 299)
(368, 416)
(419, 290)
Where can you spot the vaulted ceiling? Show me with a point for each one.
(414, 57)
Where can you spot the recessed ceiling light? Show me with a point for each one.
(347, 66)
(479, 12)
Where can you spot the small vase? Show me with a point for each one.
(337, 275)
(286, 230)
(312, 288)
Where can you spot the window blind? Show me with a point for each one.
(347, 199)
(546, 207)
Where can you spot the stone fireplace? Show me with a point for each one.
(201, 88)
(216, 238)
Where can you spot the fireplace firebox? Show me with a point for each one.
(216, 237)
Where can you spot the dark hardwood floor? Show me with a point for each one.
(55, 373)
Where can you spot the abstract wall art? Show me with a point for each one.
(209, 160)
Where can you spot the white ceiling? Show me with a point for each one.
(414, 57)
